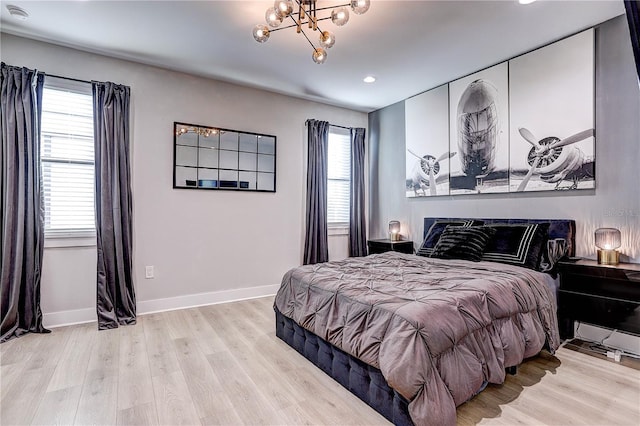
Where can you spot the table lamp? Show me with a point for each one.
(607, 241)
(394, 230)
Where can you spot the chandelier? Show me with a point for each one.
(307, 15)
(202, 131)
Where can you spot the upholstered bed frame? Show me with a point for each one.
(365, 381)
(558, 228)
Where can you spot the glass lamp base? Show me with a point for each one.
(608, 257)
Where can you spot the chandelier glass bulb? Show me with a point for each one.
(327, 39)
(283, 7)
(273, 18)
(261, 33)
(340, 16)
(319, 55)
(360, 6)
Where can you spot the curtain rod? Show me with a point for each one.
(342, 127)
(67, 78)
(332, 125)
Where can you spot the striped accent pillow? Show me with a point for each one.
(434, 232)
(517, 244)
(466, 243)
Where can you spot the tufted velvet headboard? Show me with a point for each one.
(559, 228)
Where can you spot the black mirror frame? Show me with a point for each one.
(177, 126)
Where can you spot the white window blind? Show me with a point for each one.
(67, 157)
(338, 177)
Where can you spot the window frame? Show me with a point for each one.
(78, 237)
(339, 228)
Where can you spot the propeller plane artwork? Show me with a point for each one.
(557, 160)
(425, 171)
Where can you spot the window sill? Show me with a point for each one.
(336, 230)
(67, 241)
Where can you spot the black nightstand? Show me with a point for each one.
(603, 295)
(384, 245)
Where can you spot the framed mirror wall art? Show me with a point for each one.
(214, 158)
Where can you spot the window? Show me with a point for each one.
(338, 177)
(67, 157)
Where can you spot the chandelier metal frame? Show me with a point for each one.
(307, 16)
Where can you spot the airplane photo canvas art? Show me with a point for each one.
(427, 143)
(478, 117)
(522, 125)
(553, 136)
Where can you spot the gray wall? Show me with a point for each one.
(615, 201)
(206, 246)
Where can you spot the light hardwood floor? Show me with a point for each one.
(222, 364)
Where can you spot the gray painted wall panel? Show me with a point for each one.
(614, 202)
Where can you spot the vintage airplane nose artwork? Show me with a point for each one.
(477, 128)
(479, 123)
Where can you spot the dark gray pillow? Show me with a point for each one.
(466, 243)
(556, 250)
(519, 244)
(438, 227)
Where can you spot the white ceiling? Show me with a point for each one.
(410, 46)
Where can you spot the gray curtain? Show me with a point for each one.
(357, 224)
(22, 226)
(632, 8)
(316, 247)
(116, 299)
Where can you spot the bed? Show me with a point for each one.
(416, 336)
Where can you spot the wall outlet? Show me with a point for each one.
(148, 272)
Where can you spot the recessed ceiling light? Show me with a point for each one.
(526, 1)
(17, 12)
(369, 79)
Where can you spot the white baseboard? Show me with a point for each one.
(79, 316)
(203, 299)
(62, 318)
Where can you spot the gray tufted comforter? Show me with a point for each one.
(437, 329)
